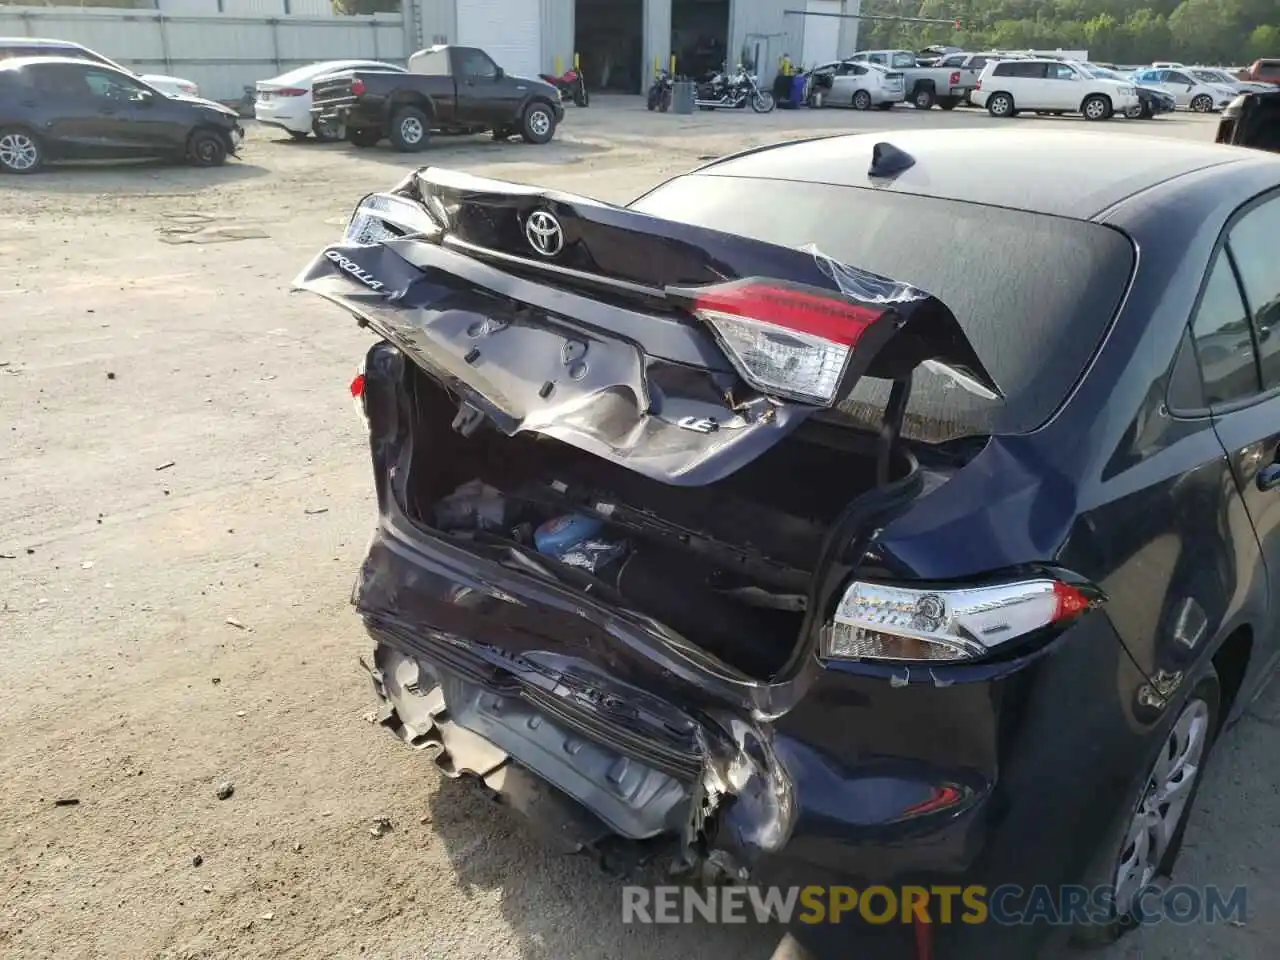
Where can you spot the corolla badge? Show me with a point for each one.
(544, 233)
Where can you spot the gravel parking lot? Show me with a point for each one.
(184, 495)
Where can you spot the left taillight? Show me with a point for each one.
(895, 622)
(786, 340)
(357, 394)
(955, 78)
(357, 88)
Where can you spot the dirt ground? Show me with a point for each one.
(184, 496)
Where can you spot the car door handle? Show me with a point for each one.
(1269, 477)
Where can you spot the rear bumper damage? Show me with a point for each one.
(604, 767)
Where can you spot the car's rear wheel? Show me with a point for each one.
(1202, 103)
(1135, 113)
(207, 148)
(923, 99)
(1096, 108)
(861, 100)
(20, 151)
(1000, 105)
(364, 136)
(410, 130)
(538, 125)
(1144, 849)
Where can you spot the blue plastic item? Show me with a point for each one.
(797, 89)
(559, 536)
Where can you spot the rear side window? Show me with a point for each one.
(1034, 329)
(1269, 69)
(1224, 344)
(1021, 68)
(1253, 243)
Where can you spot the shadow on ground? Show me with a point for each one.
(131, 179)
(444, 150)
(564, 907)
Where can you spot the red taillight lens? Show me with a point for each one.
(357, 395)
(357, 88)
(955, 78)
(978, 85)
(291, 92)
(790, 341)
(357, 386)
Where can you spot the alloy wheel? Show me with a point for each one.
(411, 130)
(539, 123)
(18, 151)
(1095, 109)
(1202, 103)
(1163, 806)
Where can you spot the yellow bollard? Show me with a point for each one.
(673, 64)
(656, 65)
(577, 62)
(559, 72)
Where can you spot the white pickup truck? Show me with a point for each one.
(947, 86)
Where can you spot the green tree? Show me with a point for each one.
(1264, 41)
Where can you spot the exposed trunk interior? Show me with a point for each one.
(728, 565)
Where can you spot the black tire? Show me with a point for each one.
(1105, 870)
(1202, 104)
(538, 125)
(652, 104)
(207, 148)
(20, 151)
(949, 103)
(298, 134)
(1000, 105)
(364, 137)
(923, 98)
(1097, 107)
(409, 130)
(861, 100)
(665, 104)
(326, 133)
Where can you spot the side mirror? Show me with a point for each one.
(146, 98)
(500, 74)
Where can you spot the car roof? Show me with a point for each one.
(40, 42)
(17, 63)
(1074, 174)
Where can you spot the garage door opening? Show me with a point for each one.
(609, 38)
(700, 36)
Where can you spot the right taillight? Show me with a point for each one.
(955, 78)
(785, 340)
(357, 394)
(357, 88)
(894, 622)
(978, 85)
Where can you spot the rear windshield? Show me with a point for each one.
(1034, 293)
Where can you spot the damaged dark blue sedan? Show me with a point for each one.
(830, 515)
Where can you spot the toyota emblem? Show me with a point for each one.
(544, 233)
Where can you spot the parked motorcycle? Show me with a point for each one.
(660, 92)
(733, 91)
(571, 86)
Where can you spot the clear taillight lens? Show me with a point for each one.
(785, 340)
(879, 621)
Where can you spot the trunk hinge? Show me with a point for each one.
(891, 430)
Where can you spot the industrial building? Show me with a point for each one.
(619, 42)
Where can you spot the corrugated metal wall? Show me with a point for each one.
(849, 29)
(557, 34)
(220, 52)
(657, 38)
(759, 27)
(438, 22)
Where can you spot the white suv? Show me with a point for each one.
(1050, 86)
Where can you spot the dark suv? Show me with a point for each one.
(1252, 120)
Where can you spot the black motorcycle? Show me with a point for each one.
(733, 91)
(660, 92)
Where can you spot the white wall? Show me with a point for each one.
(223, 53)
